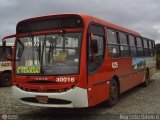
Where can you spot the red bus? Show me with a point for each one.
(76, 60)
(6, 65)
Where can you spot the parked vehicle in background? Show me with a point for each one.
(76, 60)
(158, 55)
(5, 64)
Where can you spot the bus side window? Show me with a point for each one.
(133, 49)
(124, 47)
(113, 47)
(150, 48)
(139, 47)
(145, 46)
(153, 49)
(98, 35)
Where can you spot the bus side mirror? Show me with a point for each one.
(4, 47)
(94, 46)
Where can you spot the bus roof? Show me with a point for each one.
(87, 19)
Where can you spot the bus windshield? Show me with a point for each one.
(52, 54)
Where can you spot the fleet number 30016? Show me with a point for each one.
(65, 79)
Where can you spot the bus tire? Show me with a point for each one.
(6, 80)
(146, 81)
(113, 94)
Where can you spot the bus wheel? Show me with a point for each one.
(146, 77)
(113, 94)
(6, 80)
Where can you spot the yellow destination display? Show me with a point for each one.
(28, 69)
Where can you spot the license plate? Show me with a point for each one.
(42, 99)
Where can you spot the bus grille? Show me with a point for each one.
(50, 100)
(42, 82)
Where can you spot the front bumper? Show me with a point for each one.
(77, 96)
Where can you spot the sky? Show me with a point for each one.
(142, 16)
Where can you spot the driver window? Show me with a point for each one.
(95, 60)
